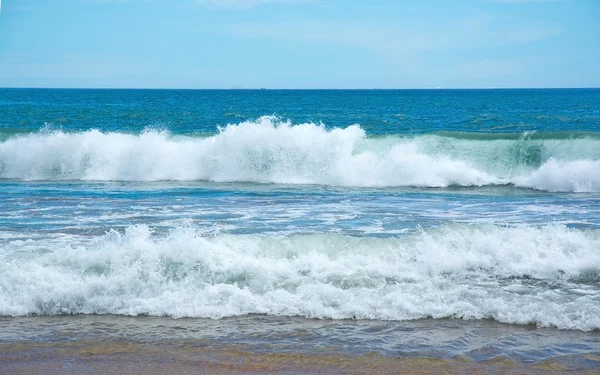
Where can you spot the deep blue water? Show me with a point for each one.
(377, 111)
(368, 204)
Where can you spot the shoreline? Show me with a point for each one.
(129, 358)
(257, 344)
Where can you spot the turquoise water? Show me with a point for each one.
(384, 206)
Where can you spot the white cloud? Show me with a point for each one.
(394, 40)
(493, 68)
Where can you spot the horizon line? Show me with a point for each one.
(298, 89)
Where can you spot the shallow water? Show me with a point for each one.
(448, 339)
(205, 250)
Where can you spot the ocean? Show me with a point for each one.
(436, 224)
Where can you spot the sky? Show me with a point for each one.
(303, 44)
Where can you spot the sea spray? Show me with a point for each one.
(273, 151)
(463, 271)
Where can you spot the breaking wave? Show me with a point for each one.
(272, 151)
(542, 275)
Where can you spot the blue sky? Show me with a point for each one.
(300, 43)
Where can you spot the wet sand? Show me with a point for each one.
(279, 345)
(127, 358)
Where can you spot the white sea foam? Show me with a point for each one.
(511, 274)
(272, 151)
(576, 176)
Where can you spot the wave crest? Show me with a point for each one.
(546, 275)
(272, 151)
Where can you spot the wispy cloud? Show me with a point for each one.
(393, 40)
(73, 70)
(250, 3)
(495, 67)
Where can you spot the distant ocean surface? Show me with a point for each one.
(385, 207)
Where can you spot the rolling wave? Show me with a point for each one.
(272, 151)
(543, 275)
